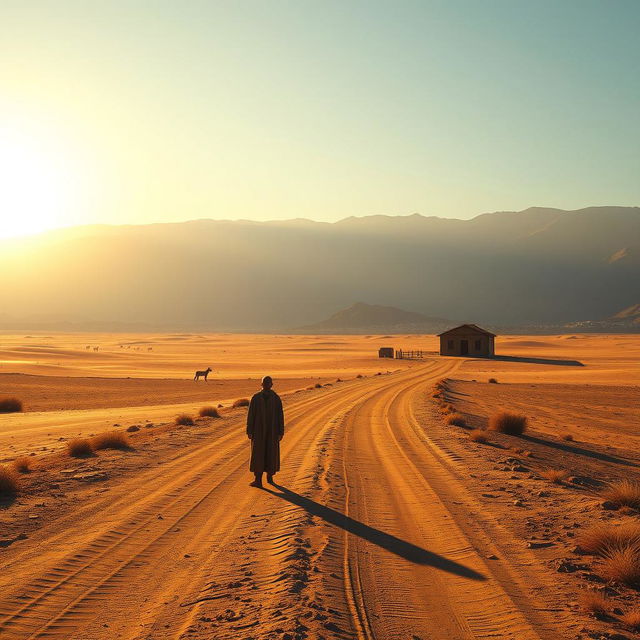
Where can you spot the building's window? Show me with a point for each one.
(450, 345)
(477, 345)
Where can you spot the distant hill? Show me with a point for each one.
(630, 315)
(538, 267)
(374, 318)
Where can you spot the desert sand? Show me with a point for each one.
(385, 522)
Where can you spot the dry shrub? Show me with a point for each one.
(10, 405)
(209, 412)
(338, 380)
(359, 376)
(567, 437)
(457, 420)
(479, 436)
(79, 447)
(557, 476)
(594, 602)
(23, 464)
(625, 493)
(510, 423)
(242, 402)
(601, 537)
(447, 408)
(184, 419)
(493, 381)
(318, 385)
(111, 440)
(631, 619)
(622, 564)
(133, 428)
(8, 482)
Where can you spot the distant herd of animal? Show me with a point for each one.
(199, 374)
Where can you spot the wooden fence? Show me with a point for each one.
(409, 355)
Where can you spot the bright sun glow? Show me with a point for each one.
(34, 186)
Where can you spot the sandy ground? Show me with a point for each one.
(385, 522)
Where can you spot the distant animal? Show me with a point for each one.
(149, 348)
(88, 346)
(96, 348)
(203, 374)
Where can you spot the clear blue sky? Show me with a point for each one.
(155, 110)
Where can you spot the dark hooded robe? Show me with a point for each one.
(265, 427)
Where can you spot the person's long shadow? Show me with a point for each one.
(396, 545)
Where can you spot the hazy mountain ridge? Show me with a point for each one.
(369, 318)
(536, 266)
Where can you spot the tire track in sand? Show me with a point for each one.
(418, 573)
(190, 502)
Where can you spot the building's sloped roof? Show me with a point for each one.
(472, 327)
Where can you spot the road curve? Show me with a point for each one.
(359, 539)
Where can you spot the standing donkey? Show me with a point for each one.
(203, 374)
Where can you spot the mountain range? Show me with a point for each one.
(540, 266)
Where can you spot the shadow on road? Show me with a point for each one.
(400, 547)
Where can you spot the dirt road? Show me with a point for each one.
(370, 533)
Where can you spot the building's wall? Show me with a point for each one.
(479, 345)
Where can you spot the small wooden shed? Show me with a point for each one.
(467, 340)
(386, 352)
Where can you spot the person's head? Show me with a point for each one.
(267, 383)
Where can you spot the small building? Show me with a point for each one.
(385, 352)
(467, 340)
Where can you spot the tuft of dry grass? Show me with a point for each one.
(594, 602)
(111, 440)
(624, 493)
(184, 419)
(318, 385)
(241, 402)
(631, 619)
(557, 476)
(23, 464)
(209, 412)
(493, 381)
(602, 537)
(510, 423)
(567, 437)
(8, 482)
(359, 376)
(79, 447)
(479, 436)
(10, 405)
(338, 380)
(457, 420)
(621, 564)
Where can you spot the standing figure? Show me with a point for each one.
(265, 428)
